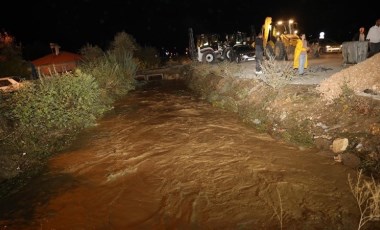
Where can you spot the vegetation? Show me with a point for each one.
(277, 211)
(47, 114)
(11, 62)
(278, 74)
(367, 196)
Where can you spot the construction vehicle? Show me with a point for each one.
(208, 47)
(237, 38)
(279, 38)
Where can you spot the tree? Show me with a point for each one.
(11, 61)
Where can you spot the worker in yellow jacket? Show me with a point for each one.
(300, 55)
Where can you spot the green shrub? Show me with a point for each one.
(115, 76)
(115, 69)
(144, 57)
(49, 113)
(123, 43)
(91, 53)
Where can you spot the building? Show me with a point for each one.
(56, 62)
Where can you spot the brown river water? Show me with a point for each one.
(166, 159)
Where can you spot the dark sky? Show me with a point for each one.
(74, 23)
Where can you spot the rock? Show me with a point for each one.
(339, 145)
(350, 160)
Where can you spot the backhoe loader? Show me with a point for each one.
(279, 38)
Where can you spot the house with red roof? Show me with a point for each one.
(56, 62)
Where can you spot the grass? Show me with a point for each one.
(367, 196)
(276, 206)
(278, 211)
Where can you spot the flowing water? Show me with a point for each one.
(165, 159)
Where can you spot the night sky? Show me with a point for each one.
(165, 23)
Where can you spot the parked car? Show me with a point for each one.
(242, 53)
(326, 46)
(9, 84)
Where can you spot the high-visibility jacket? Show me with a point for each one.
(299, 48)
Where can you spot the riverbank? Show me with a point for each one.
(335, 108)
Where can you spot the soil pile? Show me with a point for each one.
(362, 77)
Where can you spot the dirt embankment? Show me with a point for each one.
(340, 114)
(363, 77)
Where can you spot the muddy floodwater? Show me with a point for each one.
(166, 159)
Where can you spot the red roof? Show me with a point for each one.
(62, 57)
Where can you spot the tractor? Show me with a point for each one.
(208, 48)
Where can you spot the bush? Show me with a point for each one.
(277, 73)
(113, 70)
(114, 75)
(91, 53)
(49, 113)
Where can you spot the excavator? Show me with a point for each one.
(279, 38)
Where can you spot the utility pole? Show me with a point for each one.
(192, 50)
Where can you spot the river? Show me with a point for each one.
(166, 159)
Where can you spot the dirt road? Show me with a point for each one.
(318, 69)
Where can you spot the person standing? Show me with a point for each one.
(300, 61)
(374, 38)
(360, 36)
(259, 51)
